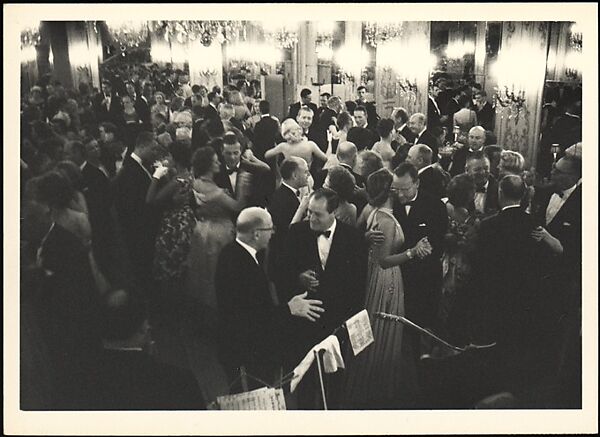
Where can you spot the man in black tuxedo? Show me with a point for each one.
(486, 186)
(142, 107)
(434, 114)
(486, 115)
(108, 106)
(285, 201)
(305, 100)
(432, 178)
(476, 141)
(113, 151)
(138, 220)
(69, 309)
(262, 179)
(511, 296)
(420, 215)
(211, 112)
(97, 192)
(305, 119)
(252, 328)
(400, 117)
(362, 121)
(323, 98)
(417, 123)
(328, 259)
(131, 378)
(558, 210)
(265, 131)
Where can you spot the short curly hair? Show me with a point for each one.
(341, 181)
(379, 187)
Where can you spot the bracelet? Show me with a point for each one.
(409, 254)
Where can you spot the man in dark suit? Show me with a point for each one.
(142, 107)
(434, 114)
(486, 186)
(346, 154)
(432, 178)
(486, 115)
(305, 100)
(323, 98)
(97, 192)
(362, 120)
(211, 111)
(328, 259)
(420, 215)
(282, 207)
(511, 296)
(400, 117)
(108, 106)
(265, 132)
(417, 123)
(311, 131)
(137, 219)
(476, 141)
(262, 180)
(69, 309)
(252, 327)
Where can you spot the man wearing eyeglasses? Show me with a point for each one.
(252, 327)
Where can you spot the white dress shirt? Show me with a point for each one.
(251, 250)
(556, 203)
(324, 244)
(480, 199)
(407, 207)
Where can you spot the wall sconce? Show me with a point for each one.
(515, 102)
(284, 34)
(555, 148)
(576, 37)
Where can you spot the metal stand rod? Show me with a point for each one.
(318, 356)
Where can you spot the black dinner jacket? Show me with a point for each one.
(295, 108)
(486, 116)
(491, 205)
(211, 112)
(251, 326)
(423, 278)
(433, 181)
(508, 274)
(262, 183)
(114, 113)
(143, 110)
(565, 226)
(96, 189)
(433, 113)
(138, 219)
(428, 139)
(265, 136)
(341, 285)
(459, 161)
(408, 134)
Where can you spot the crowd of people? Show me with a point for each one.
(155, 204)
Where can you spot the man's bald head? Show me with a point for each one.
(511, 190)
(346, 153)
(476, 138)
(420, 155)
(417, 122)
(255, 227)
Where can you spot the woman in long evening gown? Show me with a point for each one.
(384, 374)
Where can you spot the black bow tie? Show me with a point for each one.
(232, 170)
(326, 234)
(481, 190)
(560, 194)
(411, 203)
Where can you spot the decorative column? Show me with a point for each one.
(60, 52)
(518, 126)
(480, 52)
(307, 63)
(402, 70)
(353, 44)
(85, 52)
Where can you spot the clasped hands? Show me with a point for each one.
(421, 249)
(299, 305)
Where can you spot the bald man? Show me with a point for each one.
(417, 123)
(432, 178)
(346, 155)
(252, 327)
(475, 143)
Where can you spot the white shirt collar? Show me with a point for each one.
(421, 133)
(511, 206)
(425, 168)
(137, 159)
(402, 127)
(82, 165)
(265, 115)
(332, 229)
(251, 250)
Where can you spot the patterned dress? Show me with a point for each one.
(174, 237)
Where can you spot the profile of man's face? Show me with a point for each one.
(413, 157)
(306, 99)
(404, 188)
(562, 175)
(232, 154)
(319, 218)
(323, 101)
(302, 174)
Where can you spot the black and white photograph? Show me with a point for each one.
(294, 218)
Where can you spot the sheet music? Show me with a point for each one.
(359, 331)
(260, 399)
